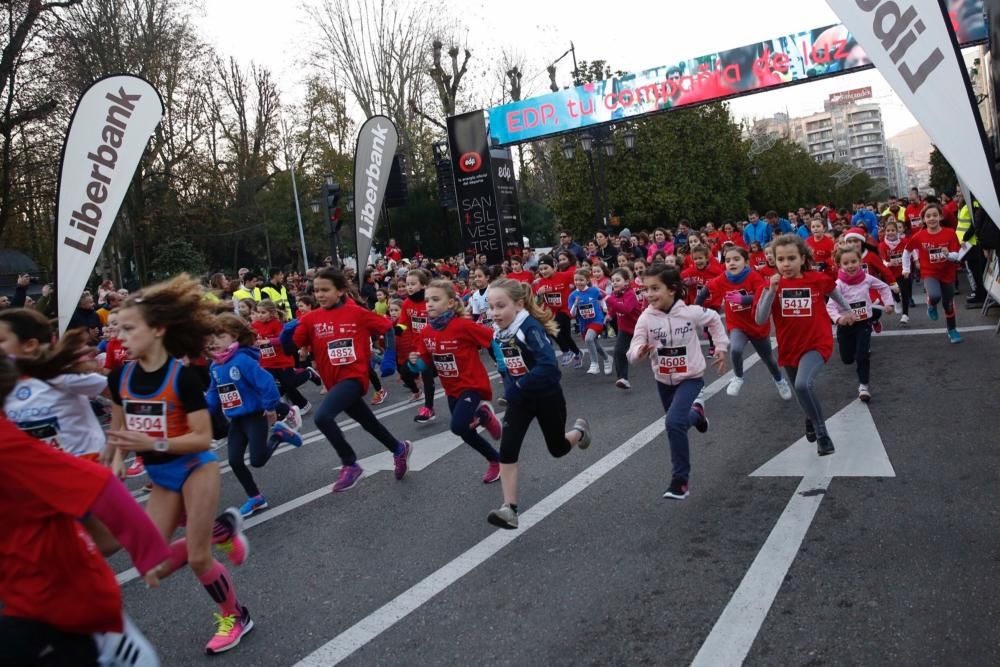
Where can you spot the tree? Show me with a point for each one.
(943, 177)
(175, 256)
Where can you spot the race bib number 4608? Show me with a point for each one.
(341, 351)
(672, 360)
(149, 417)
(796, 302)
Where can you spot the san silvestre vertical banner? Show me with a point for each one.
(913, 44)
(107, 135)
(474, 191)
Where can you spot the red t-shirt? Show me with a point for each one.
(340, 340)
(522, 276)
(801, 322)
(271, 353)
(872, 263)
(739, 316)
(559, 286)
(50, 568)
(454, 353)
(639, 288)
(758, 260)
(767, 271)
(413, 317)
(115, 355)
(913, 212)
(404, 345)
(695, 278)
(822, 251)
(394, 253)
(893, 257)
(932, 251)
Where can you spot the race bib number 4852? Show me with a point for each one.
(341, 351)
(796, 302)
(672, 360)
(149, 417)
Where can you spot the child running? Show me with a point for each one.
(339, 335)
(273, 358)
(891, 250)
(623, 304)
(531, 387)
(554, 288)
(412, 320)
(248, 396)
(404, 345)
(795, 300)
(160, 410)
(451, 344)
(854, 340)
(738, 288)
(936, 248)
(586, 304)
(667, 332)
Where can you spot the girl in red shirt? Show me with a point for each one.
(553, 289)
(768, 269)
(450, 344)
(339, 334)
(517, 271)
(795, 299)
(758, 259)
(412, 320)
(273, 358)
(626, 308)
(821, 246)
(891, 249)
(936, 248)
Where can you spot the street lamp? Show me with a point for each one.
(592, 142)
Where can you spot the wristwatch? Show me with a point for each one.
(161, 445)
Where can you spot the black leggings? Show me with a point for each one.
(464, 410)
(565, 337)
(289, 380)
(346, 396)
(855, 343)
(29, 643)
(621, 359)
(249, 431)
(905, 293)
(408, 377)
(374, 379)
(549, 410)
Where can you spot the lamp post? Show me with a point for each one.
(599, 141)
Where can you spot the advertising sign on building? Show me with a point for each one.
(848, 96)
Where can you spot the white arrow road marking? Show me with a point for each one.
(860, 453)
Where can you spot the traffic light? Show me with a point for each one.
(332, 192)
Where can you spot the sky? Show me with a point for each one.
(541, 31)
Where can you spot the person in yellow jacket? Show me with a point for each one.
(975, 259)
(276, 292)
(248, 289)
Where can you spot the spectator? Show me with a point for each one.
(275, 291)
(683, 231)
(85, 317)
(21, 290)
(756, 230)
(111, 301)
(661, 243)
(865, 219)
(567, 243)
(47, 303)
(605, 249)
(975, 258)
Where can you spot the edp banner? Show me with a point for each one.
(508, 210)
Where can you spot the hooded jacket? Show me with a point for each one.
(240, 386)
(678, 355)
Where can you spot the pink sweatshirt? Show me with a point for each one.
(625, 308)
(859, 297)
(678, 355)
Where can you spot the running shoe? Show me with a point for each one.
(255, 504)
(425, 415)
(282, 433)
(609, 366)
(237, 547)
(148, 486)
(702, 424)
(810, 431)
(622, 383)
(904, 320)
(932, 312)
(734, 387)
(502, 402)
(784, 390)
(293, 419)
(380, 396)
(505, 517)
(492, 473)
(877, 326)
(304, 410)
(594, 369)
(314, 376)
(583, 426)
(566, 358)
(678, 489)
(136, 468)
(488, 420)
(578, 360)
(954, 336)
(401, 459)
(863, 393)
(824, 446)
(349, 476)
(218, 442)
(230, 629)
(418, 395)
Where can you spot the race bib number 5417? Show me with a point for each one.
(796, 302)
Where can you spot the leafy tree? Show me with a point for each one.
(943, 178)
(175, 256)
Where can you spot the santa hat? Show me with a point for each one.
(856, 233)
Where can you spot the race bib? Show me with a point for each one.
(937, 255)
(860, 310)
(640, 293)
(446, 365)
(267, 351)
(230, 397)
(671, 360)
(554, 299)
(895, 259)
(587, 311)
(149, 417)
(514, 361)
(796, 302)
(341, 352)
(418, 323)
(46, 430)
(738, 307)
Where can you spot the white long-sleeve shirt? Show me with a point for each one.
(858, 297)
(58, 412)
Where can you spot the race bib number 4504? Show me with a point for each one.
(672, 360)
(149, 417)
(341, 351)
(796, 302)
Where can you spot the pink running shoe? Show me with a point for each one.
(424, 415)
(349, 476)
(488, 420)
(402, 461)
(229, 631)
(237, 547)
(492, 473)
(136, 468)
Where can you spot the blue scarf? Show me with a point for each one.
(441, 321)
(738, 278)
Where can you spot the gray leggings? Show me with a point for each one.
(596, 351)
(802, 378)
(938, 292)
(738, 340)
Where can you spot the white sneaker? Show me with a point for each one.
(905, 319)
(609, 366)
(622, 383)
(734, 386)
(304, 410)
(594, 369)
(783, 389)
(863, 393)
(293, 419)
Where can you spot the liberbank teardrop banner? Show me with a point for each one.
(784, 60)
(106, 138)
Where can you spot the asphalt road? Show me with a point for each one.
(893, 570)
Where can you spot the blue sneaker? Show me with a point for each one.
(932, 313)
(252, 505)
(282, 433)
(578, 360)
(954, 336)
